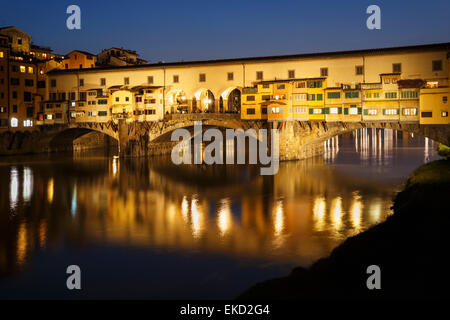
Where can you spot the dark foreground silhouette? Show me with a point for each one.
(412, 249)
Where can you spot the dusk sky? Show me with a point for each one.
(196, 30)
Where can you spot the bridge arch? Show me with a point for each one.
(231, 99)
(205, 101)
(177, 101)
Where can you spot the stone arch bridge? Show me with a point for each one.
(298, 139)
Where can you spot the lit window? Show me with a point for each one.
(14, 122)
(353, 111)
(333, 110)
(317, 111)
(27, 123)
(410, 111)
(1, 54)
(50, 117)
(30, 70)
(372, 112)
(444, 113)
(22, 68)
(390, 112)
(432, 84)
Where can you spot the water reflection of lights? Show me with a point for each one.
(14, 188)
(27, 184)
(375, 210)
(73, 207)
(185, 209)
(278, 218)
(224, 217)
(355, 210)
(115, 165)
(50, 190)
(319, 209)
(336, 212)
(21, 244)
(196, 218)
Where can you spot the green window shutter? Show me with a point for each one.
(345, 110)
(384, 112)
(326, 110)
(403, 111)
(366, 112)
(359, 110)
(340, 110)
(311, 111)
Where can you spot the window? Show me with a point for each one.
(410, 111)
(230, 76)
(317, 111)
(72, 96)
(359, 70)
(53, 83)
(368, 95)
(390, 95)
(372, 112)
(276, 110)
(127, 98)
(103, 81)
(319, 97)
(102, 101)
(150, 80)
(300, 84)
(291, 74)
(19, 40)
(14, 122)
(126, 81)
(265, 97)
(409, 94)
(175, 79)
(444, 113)
(30, 70)
(266, 86)
(22, 69)
(376, 94)
(81, 82)
(391, 112)
(14, 110)
(427, 114)
(14, 94)
(311, 97)
(387, 80)
(27, 123)
(41, 84)
(300, 109)
(1, 54)
(351, 94)
(251, 111)
(27, 96)
(202, 77)
(259, 75)
(437, 65)
(15, 81)
(15, 68)
(444, 99)
(250, 98)
(315, 84)
(117, 99)
(396, 67)
(138, 99)
(263, 110)
(82, 96)
(102, 113)
(281, 86)
(334, 95)
(334, 110)
(353, 111)
(301, 97)
(29, 82)
(324, 72)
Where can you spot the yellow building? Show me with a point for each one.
(122, 105)
(78, 59)
(251, 101)
(316, 101)
(300, 100)
(434, 105)
(333, 104)
(148, 103)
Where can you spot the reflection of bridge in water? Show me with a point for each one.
(134, 202)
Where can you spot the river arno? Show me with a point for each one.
(144, 228)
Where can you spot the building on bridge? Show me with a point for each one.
(324, 86)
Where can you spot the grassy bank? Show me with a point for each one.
(411, 248)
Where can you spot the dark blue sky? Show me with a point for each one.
(194, 30)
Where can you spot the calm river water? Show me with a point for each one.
(144, 228)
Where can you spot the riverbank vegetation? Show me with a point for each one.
(410, 247)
